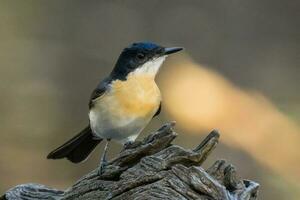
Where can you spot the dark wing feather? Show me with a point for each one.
(158, 111)
(99, 91)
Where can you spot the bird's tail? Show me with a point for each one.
(78, 148)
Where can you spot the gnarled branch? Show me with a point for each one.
(153, 169)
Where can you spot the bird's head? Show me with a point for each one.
(143, 58)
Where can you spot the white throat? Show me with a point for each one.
(150, 68)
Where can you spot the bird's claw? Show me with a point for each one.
(131, 145)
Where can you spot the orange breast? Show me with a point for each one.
(137, 96)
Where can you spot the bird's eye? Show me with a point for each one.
(140, 56)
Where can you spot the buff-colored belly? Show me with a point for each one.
(124, 111)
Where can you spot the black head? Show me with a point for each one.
(137, 55)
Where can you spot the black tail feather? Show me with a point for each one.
(76, 149)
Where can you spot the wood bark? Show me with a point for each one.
(153, 169)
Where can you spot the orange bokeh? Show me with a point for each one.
(200, 99)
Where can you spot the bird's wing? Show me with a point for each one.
(158, 110)
(99, 91)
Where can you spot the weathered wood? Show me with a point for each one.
(153, 169)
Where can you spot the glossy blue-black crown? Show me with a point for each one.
(148, 46)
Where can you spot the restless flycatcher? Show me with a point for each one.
(122, 104)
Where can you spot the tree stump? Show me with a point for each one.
(153, 169)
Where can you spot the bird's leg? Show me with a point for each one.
(103, 161)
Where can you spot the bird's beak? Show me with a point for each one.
(171, 50)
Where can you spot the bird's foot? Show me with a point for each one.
(131, 145)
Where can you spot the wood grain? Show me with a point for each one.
(153, 169)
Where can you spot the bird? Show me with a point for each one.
(122, 104)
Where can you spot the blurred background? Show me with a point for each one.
(239, 74)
